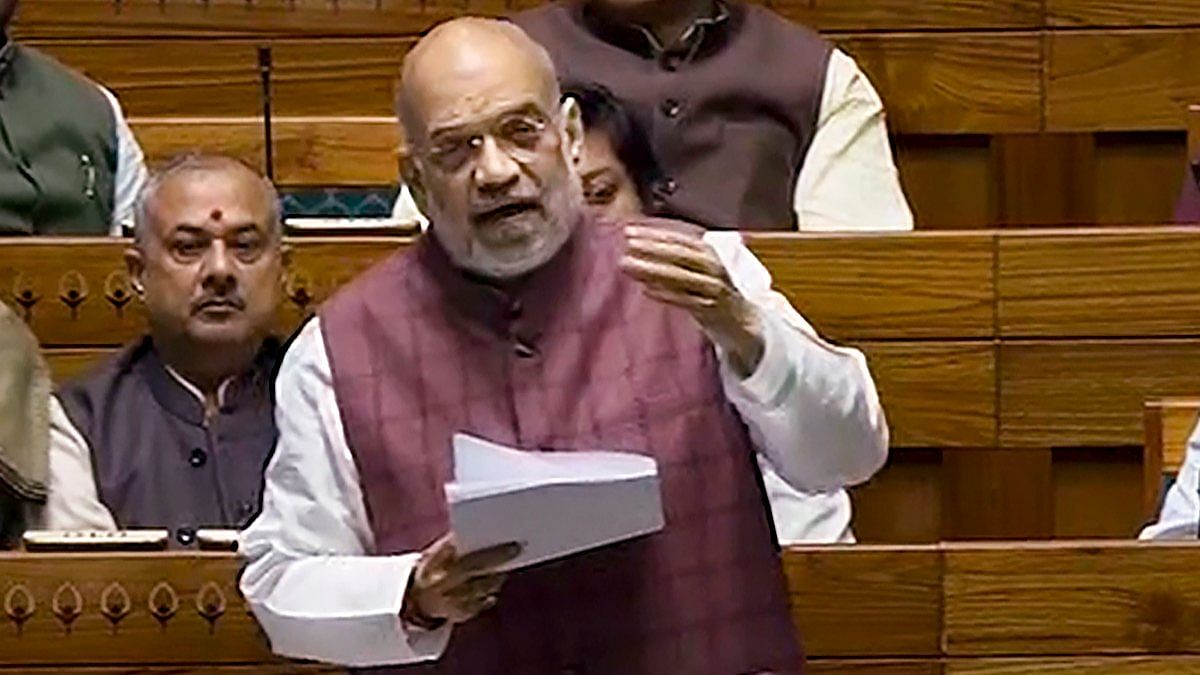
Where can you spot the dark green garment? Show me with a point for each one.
(58, 148)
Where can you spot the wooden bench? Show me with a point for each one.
(1005, 113)
(1013, 365)
(1017, 607)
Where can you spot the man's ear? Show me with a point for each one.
(572, 128)
(285, 261)
(410, 172)
(135, 263)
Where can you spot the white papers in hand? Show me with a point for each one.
(552, 503)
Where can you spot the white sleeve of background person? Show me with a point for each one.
(72, 502)
(811, 406)
(849, 179)
(310, 578)
(131, 170)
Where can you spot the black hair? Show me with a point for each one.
(602, 111)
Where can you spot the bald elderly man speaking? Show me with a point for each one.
(521, 320)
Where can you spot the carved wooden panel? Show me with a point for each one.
(93, 609)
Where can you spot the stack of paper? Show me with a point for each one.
(552, 503)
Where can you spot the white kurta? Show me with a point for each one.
(811, 408)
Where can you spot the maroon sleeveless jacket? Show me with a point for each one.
(730, 119)
(575, 356)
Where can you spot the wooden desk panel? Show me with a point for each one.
(841, 594)
(1120, 80)
(936, 394)
(130, 582)
(932, 83)
(864, 287)
(1110, 665)
(1119, 283)
(1088, 393)
(1060, 598)
(1122, 12)
(1125, 282)
(1095, 607)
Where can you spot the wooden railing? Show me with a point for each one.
(1016, 607)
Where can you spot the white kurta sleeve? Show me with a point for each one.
(811, 406)
(72, 502)
(1181, 508)
(849, 180)
(309, 578)
(131, 170)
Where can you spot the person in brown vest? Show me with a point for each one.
(174, 431)
(618, 170)
(520, 319)
(24, 426)
(757, 122)
(69, 163)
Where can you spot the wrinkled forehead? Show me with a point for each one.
(211, 200)
(470, 81)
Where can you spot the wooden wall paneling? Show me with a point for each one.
(1120, 80)
(326, 151)
(1105, 284)
(880, 15)
(948, 179)
(1088, 392)
(1058, 599)
(349, 78)
(1121, 13)
(931, 84)
(58, 18)
(902, 504)
(336, 151)
(1138, 176)
(163, 138)
(874, 667)
(936, 394)
(169, 78)
(1044, 178)
(234, 18)
(864, 287)
(1096, 665)
(1099, 493)
(997, 494)
(159, 77)
(892, 594)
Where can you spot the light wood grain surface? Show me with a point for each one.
(1109, 284)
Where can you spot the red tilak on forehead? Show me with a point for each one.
(215, 215)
